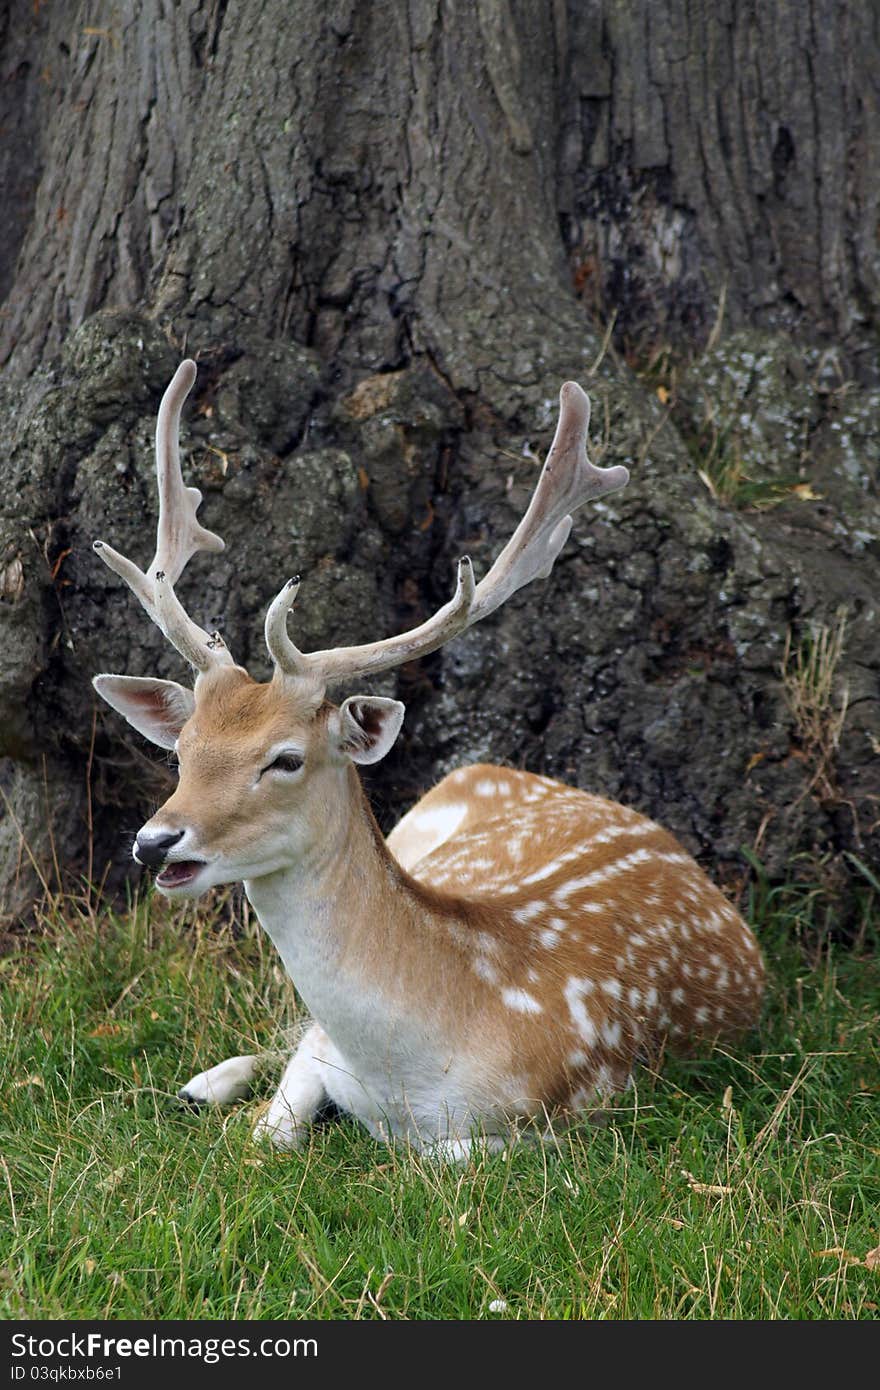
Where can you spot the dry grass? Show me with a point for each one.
(816, 700)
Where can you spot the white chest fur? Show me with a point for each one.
(375, 1059)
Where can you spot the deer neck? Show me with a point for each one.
(349, 924)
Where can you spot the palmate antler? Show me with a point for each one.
(568, 480)
(178, 537)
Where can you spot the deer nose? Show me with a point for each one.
(152, 850)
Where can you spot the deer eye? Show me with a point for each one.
(285, 762)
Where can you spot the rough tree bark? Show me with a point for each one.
(389, 232)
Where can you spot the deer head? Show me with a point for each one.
(265, 768)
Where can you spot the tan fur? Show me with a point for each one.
(514, 948)
(640, 934)
(553, 937)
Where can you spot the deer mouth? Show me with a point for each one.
(180, 873)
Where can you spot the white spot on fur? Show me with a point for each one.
(618, 866)
(528, 911)
(546, 871)
(440, 820)
(575, 992)
(604, 1081)
(613, 832)
(521, 1001)
(486, 970)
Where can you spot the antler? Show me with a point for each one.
(178, 537)
(567, 481)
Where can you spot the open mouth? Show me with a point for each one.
(178, 874)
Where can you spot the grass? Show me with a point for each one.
(715, 441)
(722, 472)
(818, 710)
(741, 1184)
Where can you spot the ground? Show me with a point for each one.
(743, 1183)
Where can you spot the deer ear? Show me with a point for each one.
(157, 709)
(365, 727)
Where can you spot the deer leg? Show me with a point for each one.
(461, 1150)
(300, 1095)
(221, 1085)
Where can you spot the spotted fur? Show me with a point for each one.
(514, 948)
(602, 938)
(507, 956)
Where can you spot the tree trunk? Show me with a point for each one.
(727, 148)
(389, 232)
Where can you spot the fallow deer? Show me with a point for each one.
(511, 950)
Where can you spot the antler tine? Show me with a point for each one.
(288, 658)
(345, 663)
(567, 481)
(179, 536)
